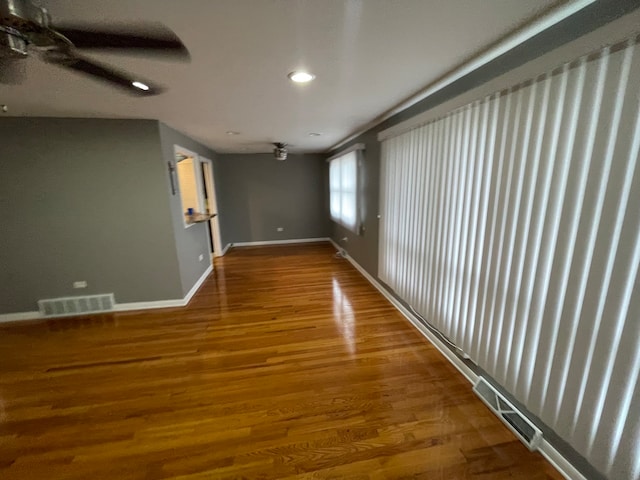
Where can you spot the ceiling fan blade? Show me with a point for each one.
(145, 38)
(12, 70)
(105, 73)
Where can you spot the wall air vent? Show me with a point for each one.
(58, 307)
(526, 431)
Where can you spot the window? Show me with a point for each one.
(343, 189)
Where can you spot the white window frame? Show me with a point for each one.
(336, 189)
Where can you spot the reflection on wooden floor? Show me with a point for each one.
(286, 364)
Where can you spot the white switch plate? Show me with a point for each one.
(280, 229)
(201, 257)
(80, 284)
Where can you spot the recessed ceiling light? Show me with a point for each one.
(140, 85)
(301, 77)
(314, 134)
(231, 132)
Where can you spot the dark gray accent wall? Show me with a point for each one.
(190, 242)
(258, 194)
(84, 199)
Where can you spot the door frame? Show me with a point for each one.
(214, 223)
(181, 151)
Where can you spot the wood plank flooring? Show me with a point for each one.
(286, 364)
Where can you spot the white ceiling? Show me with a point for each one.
(368, 56)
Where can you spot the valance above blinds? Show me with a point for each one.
(513, 225)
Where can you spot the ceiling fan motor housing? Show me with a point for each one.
(13, 45)
(22, 15)
(22, 23)
(280, 152)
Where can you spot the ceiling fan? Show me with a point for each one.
(280, 151)
(25, 28)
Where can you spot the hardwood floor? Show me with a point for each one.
(286, 364)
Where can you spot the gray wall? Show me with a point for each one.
(84, 199)
(258, 193)
(190, 242)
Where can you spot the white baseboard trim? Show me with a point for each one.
(547, 450)
(280, 242)
(179, 302)
(197, 285)
(120, 307)
(224, 250)
(19, 316)
(340, 249)
(126, 307)
(560, 463)
(452, 357)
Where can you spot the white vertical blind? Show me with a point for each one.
(513, 225)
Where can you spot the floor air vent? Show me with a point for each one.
(57, 307)
(517, 423)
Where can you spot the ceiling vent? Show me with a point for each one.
(59, 307)
(526, 431)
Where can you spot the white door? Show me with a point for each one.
(212, 204)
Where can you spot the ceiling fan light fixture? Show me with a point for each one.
(140, 85)
(314, 134)
(301, 77)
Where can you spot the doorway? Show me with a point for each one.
(187, 169)
(211, 205)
